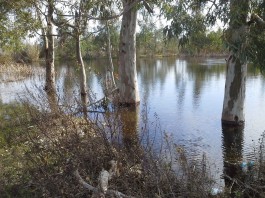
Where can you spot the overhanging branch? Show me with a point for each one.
(89, 17)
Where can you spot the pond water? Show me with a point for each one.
(184, 95)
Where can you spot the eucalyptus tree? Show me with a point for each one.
(238, 38)
(45, 11)
(70, 20)
(80, 12)
(99, 10)
(79, 26)
(21, 20)
(242, 49)
(110, 69)
(44, 14)
(128, 85)
(104, 38)
(128, 89)
(235, 85)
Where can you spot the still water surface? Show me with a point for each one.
(184, 95)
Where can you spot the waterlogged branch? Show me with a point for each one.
(103, 181)
(106, 96)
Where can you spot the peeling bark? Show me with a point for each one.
(80, 62)
(48, 40)
(83, 81)
(109, 81)
(235, 85)
(49, 52)
(111, 67)
(128, 87)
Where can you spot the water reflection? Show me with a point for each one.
(67, 76)
(185, 95)
(129, 118)
(202, 71)
(180, 71)
(233, 140)
(153, 73)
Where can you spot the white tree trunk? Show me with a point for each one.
(49, 52)
(128, 87)
(49, 59)
(83, 82)
(235, 87)
(110, 69)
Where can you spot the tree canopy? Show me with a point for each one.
(188, 21)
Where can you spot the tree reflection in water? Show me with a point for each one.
(129, 118)
(233, 137)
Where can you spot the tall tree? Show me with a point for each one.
(49, 50)
(241, 48)
(75, 24)
(110, 68)
(79, 26)
(81, 12)
(244, 45)
(235, 86)
(128, 87)
(45, 11)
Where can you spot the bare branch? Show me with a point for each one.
(104, 98)
(89, 17)
(149, 9)
(103, 179)
(84, 184)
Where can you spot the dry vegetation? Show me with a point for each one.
(47, 149)
(42, 151)
(10, 72)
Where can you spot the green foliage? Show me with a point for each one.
(96, 45)
(153, 43)
(16, 22)
(66, 50)
(257, 48)
(188, 24)
(256, 37)
(205, 44)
